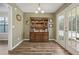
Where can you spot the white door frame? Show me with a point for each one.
(9, 26)
(61, 13)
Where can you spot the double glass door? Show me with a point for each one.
(61, 31)
(68, 28)
(73, 32)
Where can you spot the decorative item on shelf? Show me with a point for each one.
(27, 22)
(50, 23)
(18, 17)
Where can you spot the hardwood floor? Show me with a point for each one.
(39, 48)
(3, 47)
(33, 48)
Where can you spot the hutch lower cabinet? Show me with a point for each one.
(39, 36)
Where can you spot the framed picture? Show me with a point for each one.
(27, 22)
(51, 25)
(18, 17)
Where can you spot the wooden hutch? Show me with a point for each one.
(39, 29)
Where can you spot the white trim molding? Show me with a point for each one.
(9, 26)
(29, 39)
(17, 44)
(4, 39)
(26, 39)
(51, 39)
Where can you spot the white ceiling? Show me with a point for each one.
(3, 8)
(32, 7)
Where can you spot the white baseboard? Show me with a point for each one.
(51, 39)
(17, 44)
(29, 39)
(3, 39)
(26, 39)
(55, 41)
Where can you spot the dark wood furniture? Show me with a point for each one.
(39, 29)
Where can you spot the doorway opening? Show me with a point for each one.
(4, 28)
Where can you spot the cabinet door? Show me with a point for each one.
(45, 37)
(40, 37)
(32, 36)
(37, 37)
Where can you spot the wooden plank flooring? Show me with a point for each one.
(3, 47)
(39, 48)
(33, 48)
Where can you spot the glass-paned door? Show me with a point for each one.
(69, 34)
(73, 27)
(61, 28)
(71, 19)
(77, 37)
(68, 28)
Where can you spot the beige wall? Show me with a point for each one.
(26, 27)
(4, 14)
(17, 31)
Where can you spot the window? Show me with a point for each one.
(3, 24)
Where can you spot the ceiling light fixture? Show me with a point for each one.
(36, 12)
(39, 9)
(42, 11)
